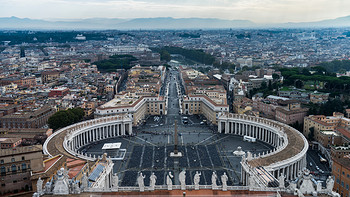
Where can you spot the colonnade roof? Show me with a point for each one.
(294, 147)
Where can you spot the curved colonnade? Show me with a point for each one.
(87, 132)
(287, 158)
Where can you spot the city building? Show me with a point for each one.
(203, 95)
(142, 95)
(10, 142)
(341, 172)
(137, 107)
(290, 114)
(35, 118)
(49, 76)
(319, 97)
(59, 92)
(202, 104)
(16, 165)
(331, 127)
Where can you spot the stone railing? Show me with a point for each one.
(188, 187)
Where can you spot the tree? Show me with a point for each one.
(64, 118)
(298, 84)
(275, 77)
(165, 55)
(270, 85)
(311, 136)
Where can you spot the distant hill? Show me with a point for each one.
(123, 24)
(155, 23)
(337, 22)
(184, 23)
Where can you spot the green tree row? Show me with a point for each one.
(192, 54)
(19, 37)
(297, 76)
(336, 66)
(115, 62)
(65, 118)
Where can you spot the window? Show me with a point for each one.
(13, 160)
(2, 161)
(13, 168)
(3, 171)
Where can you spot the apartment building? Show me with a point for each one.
(35, 118)
(328, 127)
(341, 172)
(16, 166)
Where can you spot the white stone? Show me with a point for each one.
(224, 179)
(182, 179)
(140, 181)
(152, 181)
(213, 181)
(196, 180)
(169, 182)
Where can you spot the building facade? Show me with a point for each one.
(341, 171)
(16, 165)
(36, 118)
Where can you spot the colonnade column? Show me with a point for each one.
(130, 128)
(123, 128)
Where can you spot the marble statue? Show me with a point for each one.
(75, 187)
(47, 188)
(292, 186)
(329, 184)
(115, 181)
(214, 177)
(299, 193)
(140, 181)
(36, 194)
(169, 182)
(281, 179)
(307, 186)
(61, 186)
(319, 186)
(84, 182)
(196, 180)
(224, 179)
(251, 181)
(182, 179)
(39, 186)
(152, 181)
(249, 156)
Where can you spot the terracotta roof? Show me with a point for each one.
(344, 132)
(75, 170)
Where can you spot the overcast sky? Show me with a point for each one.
(259, 11)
